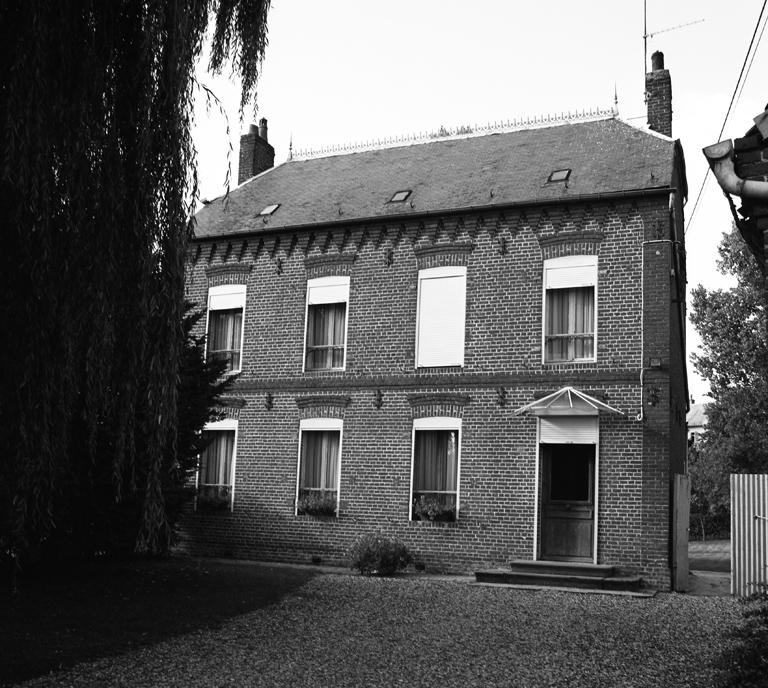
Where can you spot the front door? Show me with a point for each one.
(567, 501)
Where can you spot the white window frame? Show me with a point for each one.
(340, 286)
(441, 273)
(225, 297)
(226, 424)
(327, 424)
(577, 264)
(435, 423)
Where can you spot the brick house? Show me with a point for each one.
(474, 343)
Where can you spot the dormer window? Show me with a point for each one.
(400, 196)
(559, 176)
(270, 209)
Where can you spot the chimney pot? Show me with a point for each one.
(658, 96)
(256, 153)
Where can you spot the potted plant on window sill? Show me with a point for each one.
(317, 503)
(213, 498)
(431, 509)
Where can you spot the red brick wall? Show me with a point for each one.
(502, 352)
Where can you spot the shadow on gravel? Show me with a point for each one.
(64, 617)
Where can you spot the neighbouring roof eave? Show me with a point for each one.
(498, 207)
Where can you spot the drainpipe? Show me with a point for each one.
(720, 158)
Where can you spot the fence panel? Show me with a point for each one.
(681, 519)
(749, 533)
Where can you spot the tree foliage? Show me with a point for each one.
(97, 187)
(734, 359)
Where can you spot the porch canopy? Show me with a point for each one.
(567, 401)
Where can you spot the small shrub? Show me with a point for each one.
(317, 503)
(379, 554)
(431, 509)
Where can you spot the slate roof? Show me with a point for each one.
(606, 156)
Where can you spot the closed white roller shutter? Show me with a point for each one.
(568, 430)
(226, 296)
(442, 309)
(328, 290)
(568, 276)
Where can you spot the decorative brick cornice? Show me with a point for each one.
(322, 406)
(229, 407)
(443, 254)
(229, 273)
(440, 404)
(326, 266)
(584, 243)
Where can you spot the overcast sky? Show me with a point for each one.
(345, 71)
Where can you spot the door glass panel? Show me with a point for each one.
(570, 472)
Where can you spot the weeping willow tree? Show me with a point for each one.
(97, 188)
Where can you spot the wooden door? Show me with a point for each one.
(567, 501)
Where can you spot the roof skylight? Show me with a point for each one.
(270, 209)
(559, 176)
(400, 196)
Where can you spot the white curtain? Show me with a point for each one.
(570, 323)
(325, 335)
(224, 336)
(216, 461)
(319, 460)
(435, 464)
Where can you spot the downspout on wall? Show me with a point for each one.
(741, 170)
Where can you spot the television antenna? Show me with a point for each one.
(647, 35)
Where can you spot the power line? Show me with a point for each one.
(752, 59)
(730, 105)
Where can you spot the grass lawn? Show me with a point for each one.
(182, 623)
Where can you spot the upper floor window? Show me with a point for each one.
(226, 308)
(215, 477)
(327, 299)
(435, 469)
(440, 317)
(570, 313)
(319, 458)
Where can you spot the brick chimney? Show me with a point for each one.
(658, 96)
(256, 154)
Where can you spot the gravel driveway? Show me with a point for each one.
(352, 631)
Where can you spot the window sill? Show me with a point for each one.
(209, 509)
(576, 361)
(317, 517)
(438, 370)
(435, 524)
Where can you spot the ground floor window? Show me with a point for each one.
(435, 471)
(318, 480)
(216, 467)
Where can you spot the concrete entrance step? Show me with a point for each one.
(562, 567)
(560, 575)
